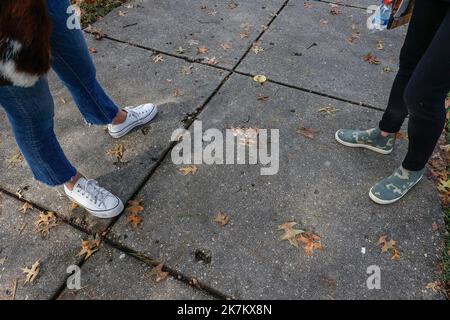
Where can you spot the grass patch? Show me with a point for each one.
(91, 12)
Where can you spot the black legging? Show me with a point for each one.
(422, 82)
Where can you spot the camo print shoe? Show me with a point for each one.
(394, 187)
(370, 139)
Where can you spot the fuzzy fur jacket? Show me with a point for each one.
(25, 30)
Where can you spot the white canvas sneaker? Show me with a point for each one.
(137, 116)
(96, 200)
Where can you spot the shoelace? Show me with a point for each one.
(132, 113)
(98, 193)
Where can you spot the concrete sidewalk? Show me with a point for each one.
(314, 60)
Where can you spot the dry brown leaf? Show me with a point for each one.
(134, 209)
(188, 170)
(158, 58)
(212, 61)
(73, 206)
(222, 219)
(389, 245)
(15, 160)
(225, 46)
(45, 222)
(25, 207)
(118, 151)
(177, 93)
(310, 242)
(434, 286)
(380, 45)
(262, 97)
(135, 219)
(371, 59)
(202, 50)
(244, 34)
(328, 110)
(307, 132)
(187, 69)
(31, 273)
(97, 33)
(160, 275)
(335, 9)
(88, 248)
(256, 48)
(290, 234)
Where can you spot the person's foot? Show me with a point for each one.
(136, 116)
(394, 187)
(96, 200)
(371, 139)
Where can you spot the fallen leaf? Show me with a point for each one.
(45, 222)
(97, 33)
(290, 233)
(260, 79)
(202, 50)
(160, 275)
(135, 206)
(256, 48)
(177, 93)
(232, 5)
(2, 261)
(335, 9)
(88, 248)
(434, 286)
(73, 206)
(244, 34)
(25, 207)
(310, 242)
(307, 5)
(262, 97)
(225, 46)
(380, 45)
(31, 273)
(180, 50)
(135, 219)
(212, 61)
(15, 160)
(187, 69)
(371, 59)
(158, 58)
(307, 132)
(328, 110)
(118, 151)
(222, 219)
(188, 170)
(389, 246)
(92, 50)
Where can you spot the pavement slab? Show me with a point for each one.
(21, 246)
(194, 24)
(310, 48)
(112, 275)
(131, 77)
(321, 185)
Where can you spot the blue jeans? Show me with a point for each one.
(31, 110)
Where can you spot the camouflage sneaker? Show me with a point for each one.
(370, 139)
(394, 187)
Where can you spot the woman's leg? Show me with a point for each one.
(425, 98)
(426, 20)
(30, 112)
(72, 62)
